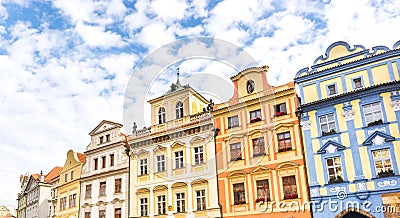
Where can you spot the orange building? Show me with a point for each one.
(261, 170)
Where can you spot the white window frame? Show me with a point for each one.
(180, 202)
(144, 207)
(198, 155)
(179, 110)
(201, 199)
(143, 169)
(161, 115)
(327, 122)
(375, 112)
(334, 167)
(161, 204)
(382, 160)
(160, 163)
(179, 160)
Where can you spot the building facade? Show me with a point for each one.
(21, 211)
(104, 179)
(68, 190)
(172, 166)
(259, 151)
(5, 212)
(54, 182)
(350, 104)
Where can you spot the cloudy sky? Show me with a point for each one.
(65, 64)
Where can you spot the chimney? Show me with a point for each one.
(41, 177)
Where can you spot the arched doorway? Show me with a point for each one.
(353, 213)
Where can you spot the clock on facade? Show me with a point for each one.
(250, 86)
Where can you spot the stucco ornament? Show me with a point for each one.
(331, 149)
(348, 115)
(362, 186)
(396, 105)
(314, 192)
(378, 140)
(305, 124)
(387, 183)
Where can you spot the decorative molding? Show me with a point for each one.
(337, 189)
(396, 105)
(382, 129)
(348, 115)
(386, 183)
(333, 139)
(305, 124)
(314, 192)
(361, 186)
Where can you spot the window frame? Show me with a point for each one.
(279, 110)
(161, 205)
(118, 185)
(180, 202)
(103, 162)
(255, 116)
(179, 160)
(329, 91)
(161, 115)
(233, 121)
(378, 103)
(96, 163)
(143, 167)
(201, 200)
(353, 82)
(334, 167)
(143, 205)
(263, 191)
(102, 213)
(160, 163)
(237, 149)
(239, 193)
(320, 123)
(287, 145)
(112, 159)
(381, 159)
(198, 155)
(102, 191)
(294, 194)
(88, 191)
(256, 143)
(179, 110)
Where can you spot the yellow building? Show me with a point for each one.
(261, 171)
(69, 186)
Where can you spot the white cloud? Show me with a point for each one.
(96, 36)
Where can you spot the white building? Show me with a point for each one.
(104, 179)
(53, 181)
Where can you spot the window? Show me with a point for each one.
(334, 167)
(236, 152)
(143, 207)
(161, 115)
(88, 192)
(103, 162)
(161, 205)
(72, 175)
(160, 163)
(284, 142)
(108, 138)
(143, 166)
(239, 196)
(111, 160)
(198, 155)
(258, 146)
(289, 187)
(117, 185)
(373, 114)
(101, 139)
(66, 177)
(72, 201)
(63, 203)
(233, 121)
(180, 202)
(179, 110)
(117, 213)
(357, 83)
(280, 109)
(327, 124)
(332, 89)
(382, 161)
(201, 199)
(179, 159)
(102, 214)
(96, 161)
(262, 191)
(102, 190)
(87, 214)
(255, 116)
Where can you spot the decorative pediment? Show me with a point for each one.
(254, 132)
(260, 170)
(378, 138)
(233, 137)
(101, 203)
(178, 144)
(286, 165)
(142, 190)
(179, 185)
(159, 148)
(117, 200)
(197, 141)
(238, 173)
(199, 181)
(141, 152)
(104, 125)
(283, 125)
(160, 188)
(330, 147)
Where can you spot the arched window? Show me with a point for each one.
(179, 110)
(161, 115)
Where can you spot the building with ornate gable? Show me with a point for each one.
(21, 211)
(172, 166)
(261, 169)
(350, 104)
(104, 178)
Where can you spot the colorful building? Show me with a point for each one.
(172, 166)
(260, 161)
(21, 211)
(54, 182)
(350, 104)
(69, 186)
(104, 179)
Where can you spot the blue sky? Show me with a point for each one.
(65, 64)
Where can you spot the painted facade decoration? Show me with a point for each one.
(350, 112)
(259, 149)
(172, 166)
(104, 179)
(68, 190)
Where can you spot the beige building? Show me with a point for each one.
(21, 211)
(5, 212)
(172, 165)
(104, 179)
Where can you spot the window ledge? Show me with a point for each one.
(143, 175)
(259, 155)
(283, 151)
(373, 126)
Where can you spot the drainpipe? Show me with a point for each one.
(216, 131)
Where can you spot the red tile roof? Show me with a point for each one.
(81, 157)
(52, 174)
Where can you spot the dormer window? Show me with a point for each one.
(332, 89)
(161, 115)
(179, 110)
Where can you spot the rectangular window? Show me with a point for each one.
(87, 214)
(103, 162)
(233, 121)
(263, 191)
(280, 109)
(239, 195)
(66, 177)
(117, 213)
(102, 190)
(118, 185)
(88, 192)
(111, 160)
(143, 166)
(289, 187)
(102, 214)
(108, 138)
(382, 162)
(334, 167)
(332, 89)
(236, 152)
(198, 155)
(373, 114)
(96, 163)
(101, 139)
(180, 202)
(72, 175)
(357, 83)
(284, 142)
(327, 124)
(201, 199)
(255, 116)
(161, 204)
(258, 146)
(73, 204)
(179, 159)
(160, 163)
(63, 203)
(143, 207)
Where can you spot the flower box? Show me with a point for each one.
(290, 196)
(279, 113)
(255, 119)
(264, 199)
(376, 122)
(337, 179)
(329, 133)
(387, 173)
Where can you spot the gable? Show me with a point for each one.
(330, 147)
(31, 183)
(378, 138)
(104, 125)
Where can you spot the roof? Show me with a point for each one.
(52, 174)
(102, 123)
(35, 176)
(81, 157)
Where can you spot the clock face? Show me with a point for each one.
(250, 86)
